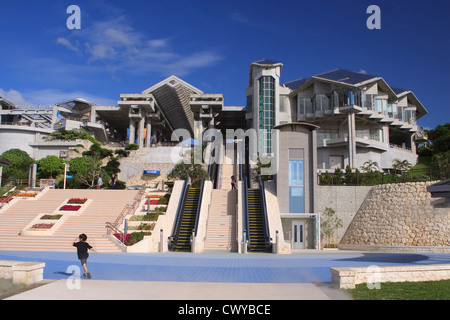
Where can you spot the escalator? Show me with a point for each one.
(256, 222)
(187, 218)
(182, 240)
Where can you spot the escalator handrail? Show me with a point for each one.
(180, 208)
(199, 205)
(245, 210)
(264, 212)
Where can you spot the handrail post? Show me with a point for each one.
(244, 243)
(193, 241)
(161, 241)
(276, 242)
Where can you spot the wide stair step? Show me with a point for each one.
(105, 207)
(221, 230)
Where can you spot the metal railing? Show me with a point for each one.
(267, 237)
(181, 203)
(127, 209)
(246, 223)
(344, 178)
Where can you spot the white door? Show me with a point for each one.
(298, 234)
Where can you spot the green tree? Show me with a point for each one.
(183, 170)
(439, 138)
(20, 167)
(50, 166)
(330, 223)
(71, 135)
(85, 171)
(370, 166)
(401, 166)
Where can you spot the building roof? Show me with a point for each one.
(346, 76)
(173, 97)
(294, 84)
(266, 62)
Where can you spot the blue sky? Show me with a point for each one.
(128, 46)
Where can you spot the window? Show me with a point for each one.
(266, 113)
(305, 106)
(296, 182)
(322, 102)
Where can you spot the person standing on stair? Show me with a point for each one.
(233, 182)
(113, 181)
(82, 251)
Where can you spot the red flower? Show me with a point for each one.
(77, 200)
(69, 207)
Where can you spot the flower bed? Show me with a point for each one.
(69, 207)
(155, 196)
(152, 201)
(51, 217)
(132, 238)
(6, 200)
(28, 194)
(77, 201)
(41, 226)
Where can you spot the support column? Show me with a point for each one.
(132, 131)
(140, 133)
(351, 140)
(93, 114)
(148, 133)
(54, 115)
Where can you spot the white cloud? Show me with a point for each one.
(48, 97)
(116, 45)
(15, 97)
(66, 43)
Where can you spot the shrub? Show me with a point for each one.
(51, 217)
(132, 146)
(77, 200)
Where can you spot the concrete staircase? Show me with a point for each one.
(221, 230)
(105, 207)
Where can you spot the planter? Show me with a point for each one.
(69, 207)
(42, 227)
(46, 224)
(77, 201)
(73, 209)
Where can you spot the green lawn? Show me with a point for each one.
(431, 290)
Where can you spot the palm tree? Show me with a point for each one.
(401, 166)
(370, 166)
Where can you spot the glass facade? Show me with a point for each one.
(296, 186)
(266, 113)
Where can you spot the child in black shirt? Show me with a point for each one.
(82, 251)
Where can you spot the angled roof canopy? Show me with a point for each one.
(173, 97)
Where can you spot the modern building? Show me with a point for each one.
(325, 122)
(361, 117)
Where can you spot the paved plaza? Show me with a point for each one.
(179, 276)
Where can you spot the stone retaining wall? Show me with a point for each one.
(400, 215)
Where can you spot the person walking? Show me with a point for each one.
(82, 252)
(99, 183)
(113, 181)
(233, 182)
